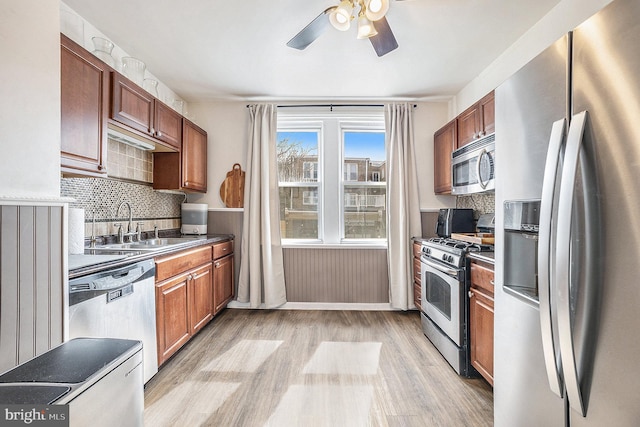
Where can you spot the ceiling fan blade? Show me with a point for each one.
(312, 31)
(383, 42)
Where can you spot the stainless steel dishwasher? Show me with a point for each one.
(117, 303)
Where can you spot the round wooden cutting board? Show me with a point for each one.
(232, 188)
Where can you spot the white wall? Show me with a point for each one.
(226, 124)
(567, 15)
(30, 99)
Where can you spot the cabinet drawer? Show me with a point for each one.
(482, 277)
(417, 276)
(417, 290)
(175, 264)
(222, 249)
(417, 249)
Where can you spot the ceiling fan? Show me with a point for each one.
(371, 21)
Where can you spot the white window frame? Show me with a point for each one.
(331, 127)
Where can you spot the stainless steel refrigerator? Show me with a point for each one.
(567, 297)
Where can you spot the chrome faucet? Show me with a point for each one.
(121, 234)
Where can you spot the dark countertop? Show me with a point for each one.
(114, 259)
(482, 256)
(71, 366)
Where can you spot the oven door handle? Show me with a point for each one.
(443, 269)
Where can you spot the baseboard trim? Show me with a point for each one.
(320, 306)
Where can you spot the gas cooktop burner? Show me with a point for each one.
(459, 244)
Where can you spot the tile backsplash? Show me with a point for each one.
(101, 197)
(481, 203)
(127, 162)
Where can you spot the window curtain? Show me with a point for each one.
(403, 208)
(261, 281)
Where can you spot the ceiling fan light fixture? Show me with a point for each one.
(340, 18)
(376, 9)
(365, 27)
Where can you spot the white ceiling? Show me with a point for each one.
(205, 49)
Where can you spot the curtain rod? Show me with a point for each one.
(332, 105)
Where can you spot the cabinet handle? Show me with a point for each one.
(186, 183)
(492, 282)
(159, 134)
(471, 294)
(217, 264)
(101, 167)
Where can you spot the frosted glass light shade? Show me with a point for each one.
(339, 22)
(343, 12)
(365, 28)
(376, 9)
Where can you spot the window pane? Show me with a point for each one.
(364, 157)
(297, 154)
(365, 212)
(299, 212)
(364, 204)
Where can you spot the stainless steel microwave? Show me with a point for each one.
(473, 167)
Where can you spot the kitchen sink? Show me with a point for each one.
(145, 245)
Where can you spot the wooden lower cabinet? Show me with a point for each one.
(223, 286)
(481, 318)
(417, 276)
(192, 286)
(172, 316)
(201, 294)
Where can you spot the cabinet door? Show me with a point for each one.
(194, 157)
(168, 125)
(223, 283)
(468, 125)
(201, 296)
(84, 92)
(481, 332)
(131, 105)
(172, 316)
(444, 142)
(487, 107)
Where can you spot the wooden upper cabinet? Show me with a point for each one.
(84, 84)
(168, 125)
(194, 157)
(444, 141)
(477, 121)
(131, 105)
(487, 106)
(468, 126)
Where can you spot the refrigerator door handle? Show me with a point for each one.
(563, 259)
(545, 269)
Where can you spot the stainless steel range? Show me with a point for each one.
(445, 306)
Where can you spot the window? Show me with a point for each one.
(297, 159)
(331, 171)
(364, 214)
(310, 171)
(310, 197)
(350, 171)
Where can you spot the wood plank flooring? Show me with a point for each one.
(314, 368)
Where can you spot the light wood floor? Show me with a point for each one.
(314, 368)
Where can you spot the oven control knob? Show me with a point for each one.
(444, 257)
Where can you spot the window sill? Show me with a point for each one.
(320, 245)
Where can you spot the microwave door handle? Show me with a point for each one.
(545, 278)
(563, 259)
(478, 163)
